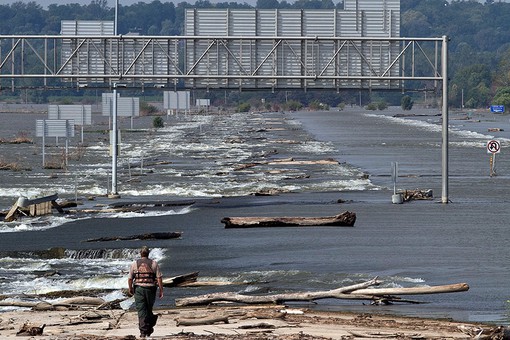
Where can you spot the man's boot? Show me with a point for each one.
(144, 327)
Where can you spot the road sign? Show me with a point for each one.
(493, 146)
(498, 108)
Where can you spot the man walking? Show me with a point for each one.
(144, 279)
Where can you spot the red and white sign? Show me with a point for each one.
(493, 146)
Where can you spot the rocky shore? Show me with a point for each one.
(239, 322)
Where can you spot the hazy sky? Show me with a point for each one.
(111, 3)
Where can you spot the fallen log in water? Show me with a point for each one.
(410, 195)
(180, 280)
(274, 299)
(147, 236)
(345, 219)
(355, 292)
(451, 288)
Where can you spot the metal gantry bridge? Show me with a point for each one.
(229, 62)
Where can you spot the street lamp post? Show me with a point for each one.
(116, 16)
(114, 142)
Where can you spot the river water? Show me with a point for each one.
(212, 165)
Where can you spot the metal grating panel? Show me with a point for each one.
(289, 23)
(86, 27)
(275, 63)
(266, 22)
(242, 23)
(319, 23)
(372, 5)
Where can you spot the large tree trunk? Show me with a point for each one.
(147, 236)
(452, 288)
(345, 219)
(354, 292)
(277, 298)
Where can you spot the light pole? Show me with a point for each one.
(444, 146)
(116, 16)
(114, 143)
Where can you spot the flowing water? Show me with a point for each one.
(198, 169)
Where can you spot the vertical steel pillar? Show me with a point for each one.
(116, 16)
(114, 142)
(444, 172)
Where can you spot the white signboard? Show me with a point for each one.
(81, 114)
(176, 100)
(203, 102)
(126, 106)
(54, 128)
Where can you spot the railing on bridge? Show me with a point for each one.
(208, 62)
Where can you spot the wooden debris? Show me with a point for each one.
(147, 236)
(451, 288)
(274, 299)
(345, 219)
(263, 325)
(63, 304)
(287, 161)
(180, 280)
(355, 292)
(33, 207)
(410, 195)
(191, 280)
(478, 332)
(209, 320)
(28, 329)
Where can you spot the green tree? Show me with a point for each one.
(406, 103)
(243, 107)
(471, 84)
(502, 97)
(158, 122)
(293, 105)
(267, 4)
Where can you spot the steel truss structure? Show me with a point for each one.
(227, 62)
(209, 62)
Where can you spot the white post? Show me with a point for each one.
(44, 144)
(444, 65)
(116, 15)
(114, 143)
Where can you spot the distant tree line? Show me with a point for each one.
(479, 50)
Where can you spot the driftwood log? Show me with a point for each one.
(147, 236)
(209, 320)
(287, 161)
(180, 280)
(354, 292)
(191, 280)
(345, 219)
(66, 303)
(411, 195)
